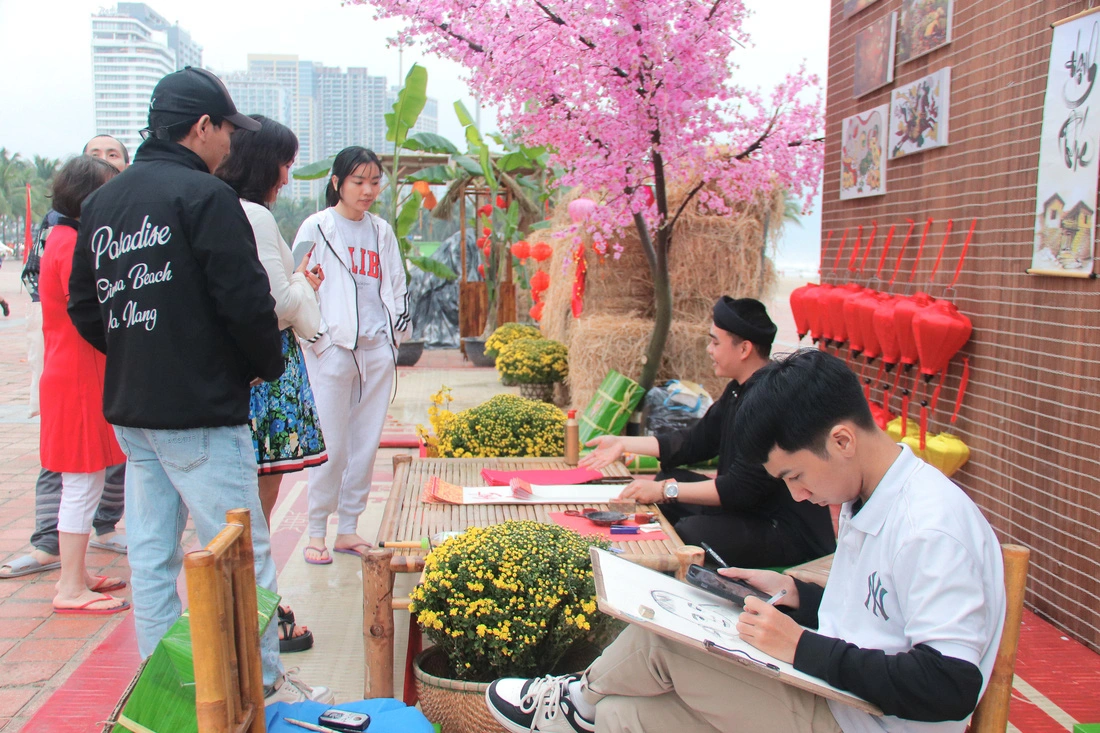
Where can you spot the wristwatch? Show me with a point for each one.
(671, 491)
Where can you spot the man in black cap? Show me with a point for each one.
(747, 517)
(167, 283)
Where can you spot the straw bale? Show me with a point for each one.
(604, 342)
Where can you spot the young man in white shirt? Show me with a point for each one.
(910, 618)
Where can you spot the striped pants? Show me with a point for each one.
(47, 502)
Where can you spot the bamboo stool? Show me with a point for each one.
(225, 634)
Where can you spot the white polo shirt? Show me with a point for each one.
(918, 564)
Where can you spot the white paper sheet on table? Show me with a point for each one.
(575, 494)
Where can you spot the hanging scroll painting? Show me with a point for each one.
(919, 114)
(874, 61)
(925, 26)
(863, 154)
(1066, 191)
(851, 7)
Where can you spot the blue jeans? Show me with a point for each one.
(204, 471)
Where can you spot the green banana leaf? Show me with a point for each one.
(436, 174)
(410, 103)
(430, 142)
(315, 170)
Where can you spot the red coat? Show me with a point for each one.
(75, 437)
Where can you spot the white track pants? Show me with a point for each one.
(352, 403)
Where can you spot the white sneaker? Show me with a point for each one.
(540, 704)
(293, 689)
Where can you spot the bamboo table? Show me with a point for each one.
(408, 519)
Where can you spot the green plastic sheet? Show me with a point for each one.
(163, 700)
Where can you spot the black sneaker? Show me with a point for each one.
(540, 704)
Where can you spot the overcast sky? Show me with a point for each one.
(45, 54)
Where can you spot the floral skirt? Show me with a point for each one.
(286, 432)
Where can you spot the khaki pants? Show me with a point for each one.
(644, 682)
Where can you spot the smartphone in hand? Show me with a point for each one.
(721, 586)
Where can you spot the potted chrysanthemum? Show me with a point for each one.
(512, 600)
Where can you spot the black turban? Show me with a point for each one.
(745, 317)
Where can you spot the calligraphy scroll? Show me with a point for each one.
(1065, 210)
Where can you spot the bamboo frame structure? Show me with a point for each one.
(225, 634)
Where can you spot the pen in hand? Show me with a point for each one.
(717, 558)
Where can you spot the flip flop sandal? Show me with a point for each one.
(352, 550)
(115, 544)
(290, 643)
(99, 586)
(326, 558)
(84, 610)
(287, 615)
(27, 565)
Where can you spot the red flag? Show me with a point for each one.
(27, 233)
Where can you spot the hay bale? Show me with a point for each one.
(601, 343)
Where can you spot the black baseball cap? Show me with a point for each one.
(195, 92)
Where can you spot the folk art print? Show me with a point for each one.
(1067, 186)
(925, 26)
(863, 153)
(874, 61)
(919, 114)
(851, 7)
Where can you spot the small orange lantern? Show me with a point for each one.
(541, 251)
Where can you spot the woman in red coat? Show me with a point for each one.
(76, 440)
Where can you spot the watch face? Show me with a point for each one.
(672, 491)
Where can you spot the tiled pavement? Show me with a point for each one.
(65, 674)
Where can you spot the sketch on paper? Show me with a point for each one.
(863, 154)
(874, 60)
(925, 26)
(714, 620)
(919, 113)
(851, 7)
(1065, 221)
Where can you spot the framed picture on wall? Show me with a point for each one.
(874, 60)
(851, 7)
(919, 114)
(863, 153)
(925, 26)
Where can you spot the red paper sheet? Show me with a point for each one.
(549, 477)
(586, 527)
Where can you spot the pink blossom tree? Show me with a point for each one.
(632, 98)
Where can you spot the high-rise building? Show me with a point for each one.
(258, 95)
(299, 79)
(132, 48)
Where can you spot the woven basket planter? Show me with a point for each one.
(456, 705)
(542, 391)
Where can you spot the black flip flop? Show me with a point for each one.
(291, 643)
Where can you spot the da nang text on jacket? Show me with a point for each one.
(147, 235)
(134, 315)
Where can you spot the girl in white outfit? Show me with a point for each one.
(364, 317)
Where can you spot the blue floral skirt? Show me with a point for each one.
(286, 432)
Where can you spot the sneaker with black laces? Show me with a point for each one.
(293, 689)
(540, 704)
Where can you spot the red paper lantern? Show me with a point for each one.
(904, 312)
(866, 307)
(852, 322)
(813, 302)
(881, 417)
(940, 331)
(647, 191)
(836, 326)
(886, 332)
(521, 250)
(798, 309)
(541, 251)
(536, 311)
(540, 281)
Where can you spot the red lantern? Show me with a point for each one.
(798, 309)
(813, 302)
(647, 191)
(852, 322)
(540, 281)
(486, 231)
(940, 331)
(904, 312)
(866, 307)
(541, 251)
(521, 250)
(834, 312)
(886, 332)
(536, 311)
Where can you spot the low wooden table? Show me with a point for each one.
(408, 519)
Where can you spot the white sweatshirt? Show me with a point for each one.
(295, 300)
